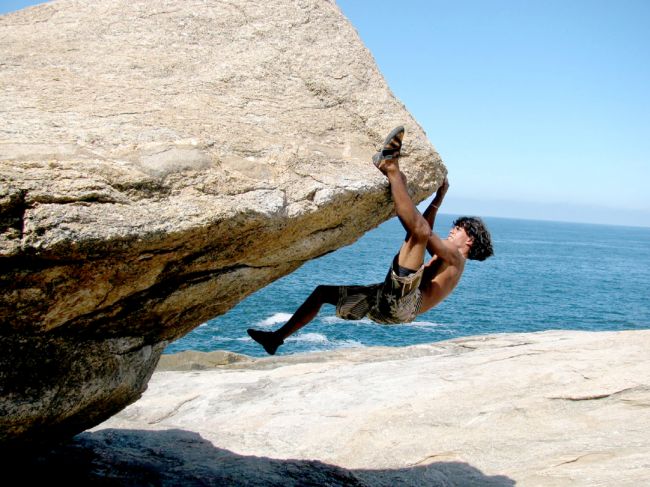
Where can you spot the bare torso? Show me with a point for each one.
(439, 280)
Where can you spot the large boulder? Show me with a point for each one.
(159, 161)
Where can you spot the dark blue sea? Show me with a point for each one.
(544, 275)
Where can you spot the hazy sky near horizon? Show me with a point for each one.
(541, 103)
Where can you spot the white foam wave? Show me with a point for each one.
(309, 337)
(330, 320)
(427, 324)
(274, 319)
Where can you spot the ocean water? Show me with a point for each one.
(544, 275)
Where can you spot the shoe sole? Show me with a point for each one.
(391, 148)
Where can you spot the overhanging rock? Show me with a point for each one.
(159, 161)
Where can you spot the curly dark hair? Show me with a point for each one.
(481, 247)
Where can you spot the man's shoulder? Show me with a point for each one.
(455, 256)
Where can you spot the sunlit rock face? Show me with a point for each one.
(159, 161)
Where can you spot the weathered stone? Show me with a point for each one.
(558, 408)
(159, 161)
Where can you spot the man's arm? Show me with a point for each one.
(437, 247)
(430, 215)
(432, 210)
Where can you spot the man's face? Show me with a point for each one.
(458, 236)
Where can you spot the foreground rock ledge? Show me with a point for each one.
(558, 408)
(159, 161)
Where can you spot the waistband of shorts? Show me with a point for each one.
(410, 282)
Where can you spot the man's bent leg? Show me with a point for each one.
(309, 309)
(411, 254)
(271, 340)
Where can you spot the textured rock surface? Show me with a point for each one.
(161, 160)
(558, 408)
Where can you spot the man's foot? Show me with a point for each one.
(265, 338)
(391, 148)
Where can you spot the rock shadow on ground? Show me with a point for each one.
(121, 457)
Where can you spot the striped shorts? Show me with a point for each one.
(396, 300)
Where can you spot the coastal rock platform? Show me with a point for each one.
(553, 408)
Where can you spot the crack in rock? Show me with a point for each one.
(173, 411)
(593, 397)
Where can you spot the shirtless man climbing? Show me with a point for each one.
(411, 287)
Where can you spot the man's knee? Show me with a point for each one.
(326, 294)
(422, 231)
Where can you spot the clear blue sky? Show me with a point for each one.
(539, 109)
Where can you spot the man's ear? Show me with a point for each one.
(470, 241)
